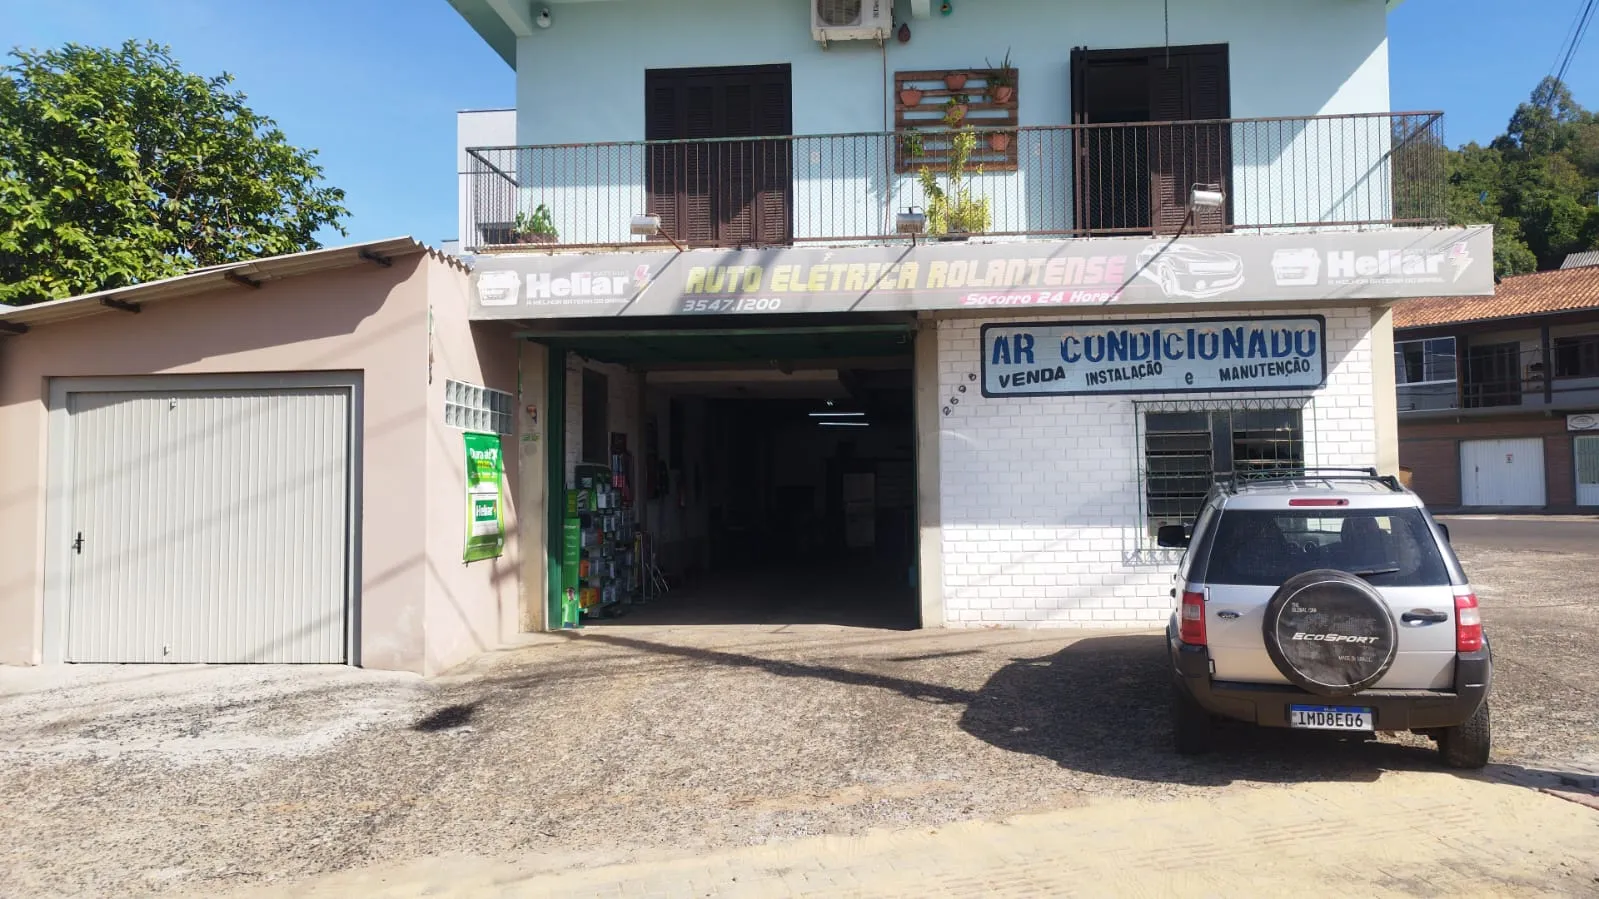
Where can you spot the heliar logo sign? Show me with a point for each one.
(485, 516)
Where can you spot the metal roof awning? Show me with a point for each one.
(248, 275)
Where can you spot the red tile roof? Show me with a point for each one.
(1540, 293)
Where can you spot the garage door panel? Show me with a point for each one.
(1502, 472)
(215, 526)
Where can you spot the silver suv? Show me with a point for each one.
(1326, 600)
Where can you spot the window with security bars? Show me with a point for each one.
(473, 408)
(1184, 451)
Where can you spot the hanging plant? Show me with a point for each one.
(955, 109)
(953, 212)
(909, 96)
(910, 143)
(1002, 79)
(999, 141)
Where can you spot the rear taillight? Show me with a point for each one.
(1468, 623)
(1191, 622)
(1318, 502)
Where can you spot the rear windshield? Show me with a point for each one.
(1388, 547)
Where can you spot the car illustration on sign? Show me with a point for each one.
(1296, 268)
(1184, 270)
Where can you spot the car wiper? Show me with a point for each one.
(1371, 571)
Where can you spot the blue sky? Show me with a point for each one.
(374, 85)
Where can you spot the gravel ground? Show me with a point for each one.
(634, 742)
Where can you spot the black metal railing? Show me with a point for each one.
(1509, 374)
(1072, 180)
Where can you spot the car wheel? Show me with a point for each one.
(1466, 745)
(1168, 282)
(1330, 632)
(1191, 724)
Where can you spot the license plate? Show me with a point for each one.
(1329, 717)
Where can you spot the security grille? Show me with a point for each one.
(1184, 445)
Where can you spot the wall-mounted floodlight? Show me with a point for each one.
(1207, 196)
(649, 225)
(910, 222)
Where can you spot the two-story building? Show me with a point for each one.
(932, 313)
(1499, 395)
(836, 311)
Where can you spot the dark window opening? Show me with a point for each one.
(1185, 451)
(596, 446)
(1577, 357)
(709, 190)
(1493, 376)
(1137, 179)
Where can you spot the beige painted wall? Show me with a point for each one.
(470, 608)
(1384, 392)
(533, 480)
(369, 319)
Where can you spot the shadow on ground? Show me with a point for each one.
(1100, 706)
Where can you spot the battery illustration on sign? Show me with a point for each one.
(1153, 356)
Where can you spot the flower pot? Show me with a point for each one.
(536, 238)
(954, 114)
(1003, 93)
(910, 96)
(954, 237)
(955, 81)
(999, 143)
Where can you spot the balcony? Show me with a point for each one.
(1505, 376)
(1278, 174)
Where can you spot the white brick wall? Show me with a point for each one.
(1040, 495)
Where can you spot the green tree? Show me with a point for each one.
(1536, 183)
(116, 167)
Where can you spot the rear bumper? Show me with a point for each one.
(1267, 704)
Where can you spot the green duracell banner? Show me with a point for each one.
(485, 515)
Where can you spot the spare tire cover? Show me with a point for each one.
(1330, 632)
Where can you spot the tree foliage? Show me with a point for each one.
(1538, 183)
(116, 167)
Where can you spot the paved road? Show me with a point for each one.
(1407, 834)
(1525, 533)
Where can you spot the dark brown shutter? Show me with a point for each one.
(774, 160)
(1189, 85)
(663, 179)
(720, 192)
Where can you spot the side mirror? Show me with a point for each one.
(1172, 536)
(1445, 528)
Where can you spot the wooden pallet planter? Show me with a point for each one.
(927, 118)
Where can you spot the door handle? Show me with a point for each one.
(77, 545)
(1425, 616)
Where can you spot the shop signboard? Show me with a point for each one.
(1010, 276)
(485, 513)
(1152, 356)
(1583, 421)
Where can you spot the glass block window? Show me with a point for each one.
(473, 408)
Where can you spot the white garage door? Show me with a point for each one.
(1587, 453)
(1502, 472)
(208, 526)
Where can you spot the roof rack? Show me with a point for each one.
(1231, 482)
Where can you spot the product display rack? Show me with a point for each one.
(600, 518)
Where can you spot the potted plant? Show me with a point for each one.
(955, 108)
(1002, 80)
(910, 143)
(955, 80)
(999, 140)
(909, 96)
(952, 212)
(539, 227)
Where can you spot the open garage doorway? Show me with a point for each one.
(769, 473)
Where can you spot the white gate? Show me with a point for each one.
(1587, 451)
(1502, 472)
(208, 525)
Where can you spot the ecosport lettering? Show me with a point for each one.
(1335, 638)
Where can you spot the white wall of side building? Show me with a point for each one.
(1041, 522)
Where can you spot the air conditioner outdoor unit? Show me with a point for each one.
(851, 20)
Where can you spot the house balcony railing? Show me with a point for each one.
(1317, 172)
(1507, 377)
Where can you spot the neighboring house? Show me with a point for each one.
(1499, 396)
(1065, 292)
